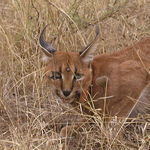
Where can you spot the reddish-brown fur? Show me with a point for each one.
(128, 74)
(118, 82)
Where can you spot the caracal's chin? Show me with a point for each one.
(73, 97)
(68, 101)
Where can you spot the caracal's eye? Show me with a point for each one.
(78, 76)
(56, 75)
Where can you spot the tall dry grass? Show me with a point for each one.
(30, 117)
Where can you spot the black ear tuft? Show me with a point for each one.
(87, 53)
(47, 48)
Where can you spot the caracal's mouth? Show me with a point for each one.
(69, 99)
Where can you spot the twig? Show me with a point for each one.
(67, 15)
(107, 13)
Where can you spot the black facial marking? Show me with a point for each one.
(56, 75)
(57, 93)
(78, 76)
(75, 70)
(77, 96)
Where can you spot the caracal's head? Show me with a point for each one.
(69, 73)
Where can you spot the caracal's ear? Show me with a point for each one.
(46, 47)
(87, 53)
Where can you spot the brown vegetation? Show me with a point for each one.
(30, 117)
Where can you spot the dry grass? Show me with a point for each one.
(31, 118)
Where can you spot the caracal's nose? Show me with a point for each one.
(66, 93)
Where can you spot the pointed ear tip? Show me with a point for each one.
(46, 47)
(46, 26)
(43, 30)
